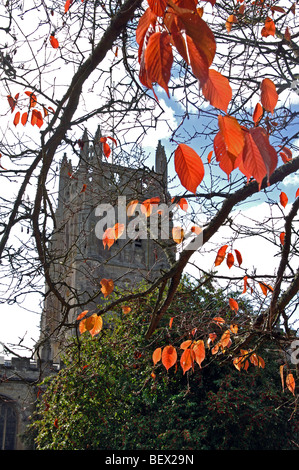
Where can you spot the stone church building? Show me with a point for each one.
(78, 261)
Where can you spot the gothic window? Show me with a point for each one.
(8, 424)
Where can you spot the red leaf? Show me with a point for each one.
(233, 304)
(264, 288)
(67, 5)
(12, 102)
(169, 356)
(245, 278)
(210, 156)
(107, 286)
(220, 255)
(189, 167)
(230, 260)
(232, 134)
(24, 118)
(197, 29)
(157, 354)
(269, 96)
(226, 160)
(158, 6)
(17, 118)
(239, 257)
(199, 351)
(290, 383)
(229, 22)
(187, 360)
(36, 118)
(287, 34)
(147, 19)
(259, 158)
(297, 193)
(198, 61)
(269, 28)
(217, 90)
(177, 39)
(257, 113)
(283, 199)
(158, 59)
(282, 237)
(33, 99)
(54, 42)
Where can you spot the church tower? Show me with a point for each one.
(88, 196)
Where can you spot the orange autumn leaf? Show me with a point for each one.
(33, 99)
(187, 360)
(24, 118)
(230, 260)
(218, 320)
(170, 322)
(233, 304)
(283, 198)
(169, 357)
(220, 255)
(225, 340)
(234, 328)
(269, 28)
(217, 90)
(126, 309)
(118, 230)
(269, 96)
(227, 161)
(108, 237)
(259, 158)
(186, 344)
(93, 324)
(257, 113)
(54, 42)
(157, 6)
(290, 383)
(287, 34)
(245, 279)
(16, 118)
(229, 22)
(67, 5)
(182, 203)
(12, 103)
(131, 207)
(297, 193)
(210, 156)
(83, 189)
(257, 360)
(36, 118)
(232, 134)
(178, 234)
(199, 351)
(148, 205)
(189, 167)
(82, 314)
(239, 257)
(282, 237)
(158, 59)
(107, 286)
(157, 354)
(195, 229)
(265, 288)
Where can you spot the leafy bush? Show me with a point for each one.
(107, 397)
